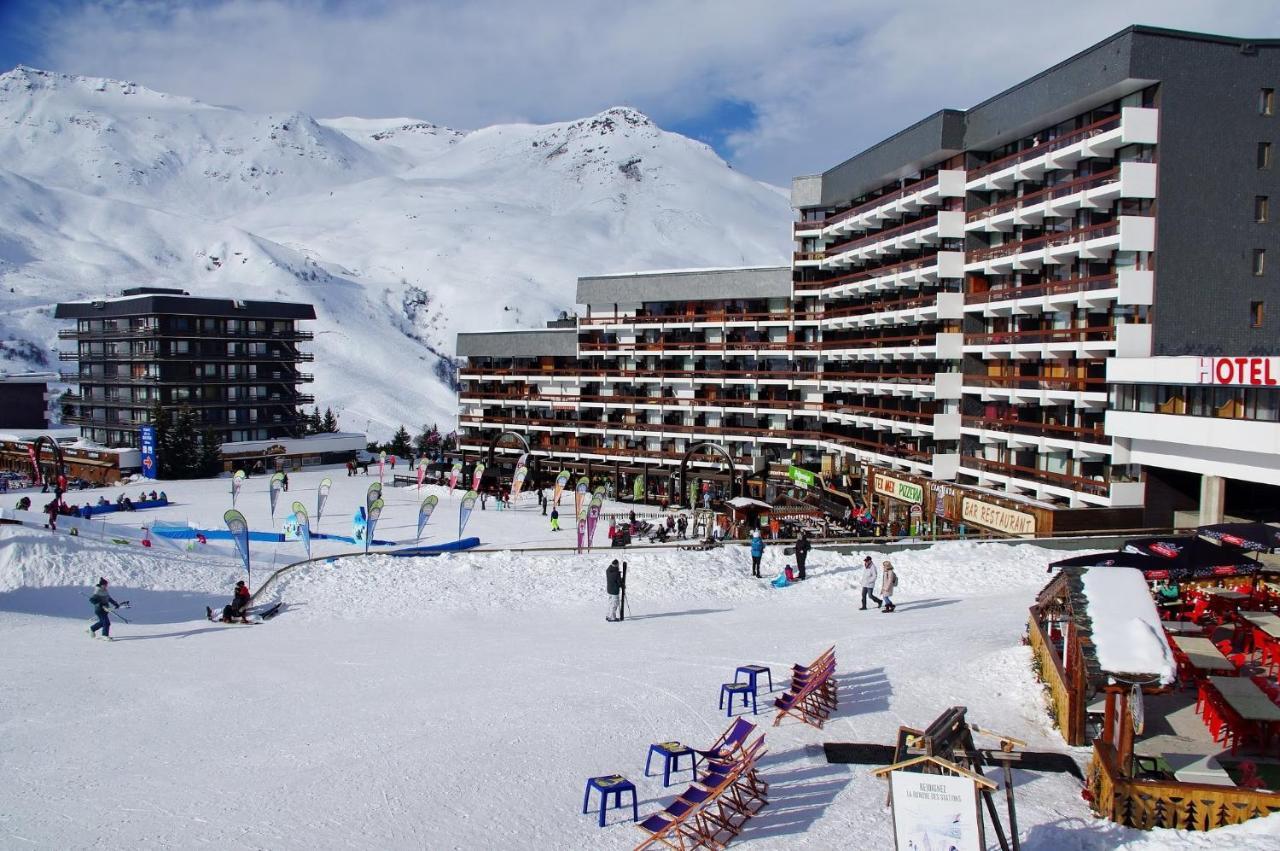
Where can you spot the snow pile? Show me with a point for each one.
(1127, 634)
(401, 232)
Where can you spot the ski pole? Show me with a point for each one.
(120, 616)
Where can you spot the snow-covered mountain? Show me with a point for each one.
(400, 231)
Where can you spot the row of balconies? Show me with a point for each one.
(948, 183)
(1135, 180)
(282, 356)
(697, 320)
(270, 400)
(1092, 242)
(167, 334)
(916, 236)
(147, 381)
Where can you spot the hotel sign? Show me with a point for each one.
(1239, 372)
(898, 489)
(997, 517)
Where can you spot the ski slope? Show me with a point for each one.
(462, 701)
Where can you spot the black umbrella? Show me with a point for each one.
(1137, 560)
(1191, 557)
(1258, 537)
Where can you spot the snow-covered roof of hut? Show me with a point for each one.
(748, 502)
(1127, 636)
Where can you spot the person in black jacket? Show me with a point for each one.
(802, 551)
(613, 584)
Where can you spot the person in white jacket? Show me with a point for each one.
(869, 577)
(888, 582)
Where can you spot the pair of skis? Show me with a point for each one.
(262, 617)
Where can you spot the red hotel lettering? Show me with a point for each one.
(1248, 371)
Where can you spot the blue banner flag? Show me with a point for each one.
(375, 511)
(304, 526)
(424, 513)
(464, 510)
(147, 443)
(322, 496)
(239, 528)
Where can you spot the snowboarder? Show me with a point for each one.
(555, 519)
(802, 552)
(757, 552)
(613, 584)
(100, 600)
(869, 577)
(237, 608)
(888, 581)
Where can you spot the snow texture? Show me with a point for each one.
(401, 232)
(462, 701)
(1127, 635)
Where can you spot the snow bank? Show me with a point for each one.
(1127, 635)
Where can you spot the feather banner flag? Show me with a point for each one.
(304, 526)
(562, 479)
(424, 513)
(464, 510)
(477, 476)
(237, 482)
(375, 511)
(322, 496)
(274, 489)
(239, 528)
(454, 473)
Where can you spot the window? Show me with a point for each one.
(1267, 102)
(1259, 261)
(1261, 208)
(1264, 155)
(1255, 314)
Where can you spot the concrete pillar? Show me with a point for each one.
(1213, 498)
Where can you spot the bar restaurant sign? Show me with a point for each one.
(899, 489)
(997, 517)
(934, 811)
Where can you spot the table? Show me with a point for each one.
(1265, 621)
(1230, 596)
(1249, 701)
(1182, 628)
(1198, 768)
(1203, 654)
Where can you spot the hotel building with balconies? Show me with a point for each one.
(233, 363)
(958, 289)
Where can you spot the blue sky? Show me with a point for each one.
(778, 89)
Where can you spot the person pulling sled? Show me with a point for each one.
(238, 608)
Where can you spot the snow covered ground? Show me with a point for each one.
(462, 701)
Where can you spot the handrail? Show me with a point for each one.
(876, 342)
(867, 206)
(881, 307)
(1045, 147)
(684, 345)
(867, 274)
(795, 405)
(1026, 427)
(1035, 382)
(721, 316)
(881, 236)
(1093, 486)
(1048, 240)
(1070, 285)
(1096, 333)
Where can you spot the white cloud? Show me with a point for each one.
(825, 79)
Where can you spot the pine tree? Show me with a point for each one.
(315, 424)
(163, 426)
(184, 446)
(210, 454)
(399, 445)
(330, 422)
(428, 440)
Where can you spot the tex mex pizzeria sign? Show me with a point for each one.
(899, 489)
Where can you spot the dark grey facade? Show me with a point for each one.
(22, 401)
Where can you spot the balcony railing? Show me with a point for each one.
(1036, 382)
(280, 357)
(868, 274)
(1062, 432)
(159, 333)
(1070, 285)
(685, 345)
(1055, 144)
(1063, 480)
(881, 236)
(1098, 333)
(714, 317)
(1048, 240)
(1061, 190)
(868, 206)
(881, 307)
(878, 342)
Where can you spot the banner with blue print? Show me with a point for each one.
(147, 445)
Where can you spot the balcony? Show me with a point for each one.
(1126, 340)
(157, 333)
(1134, 125)
(694, 320)
(1038, 390)
(1095, 192)
(909, 273)
(709, 348)
(939, 346)
(1045, 484)
(1092, 293)
(1094, 242)
(907, 311)
(947, 224)
(219, 357)
(1082, 443)
(948, 183)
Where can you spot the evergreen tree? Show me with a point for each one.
(184, 446)
(330, 422)
(399, 445)
(210, 456)
(315, 424)
(450, 442)
(427, 442)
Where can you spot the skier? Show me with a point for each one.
(100, 600)
(613, 584)
(869, 576)
(888, 581)
(555, 519)
(757, 552)
(284, 483)
(802, 551)
(682, 526)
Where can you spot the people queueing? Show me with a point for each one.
(802, 552)
(888, 581)
(613, 584)
(757, 552)
(869, 576)
(555, 519)
(100, 599)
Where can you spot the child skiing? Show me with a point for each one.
(555, 519)
(100, 600)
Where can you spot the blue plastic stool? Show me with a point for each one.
(731, 689)
(670, 753)
(615, 785)
(753, 671)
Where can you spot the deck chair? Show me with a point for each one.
(729, 742)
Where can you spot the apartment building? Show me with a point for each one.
(233, 363)
(958, 289)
